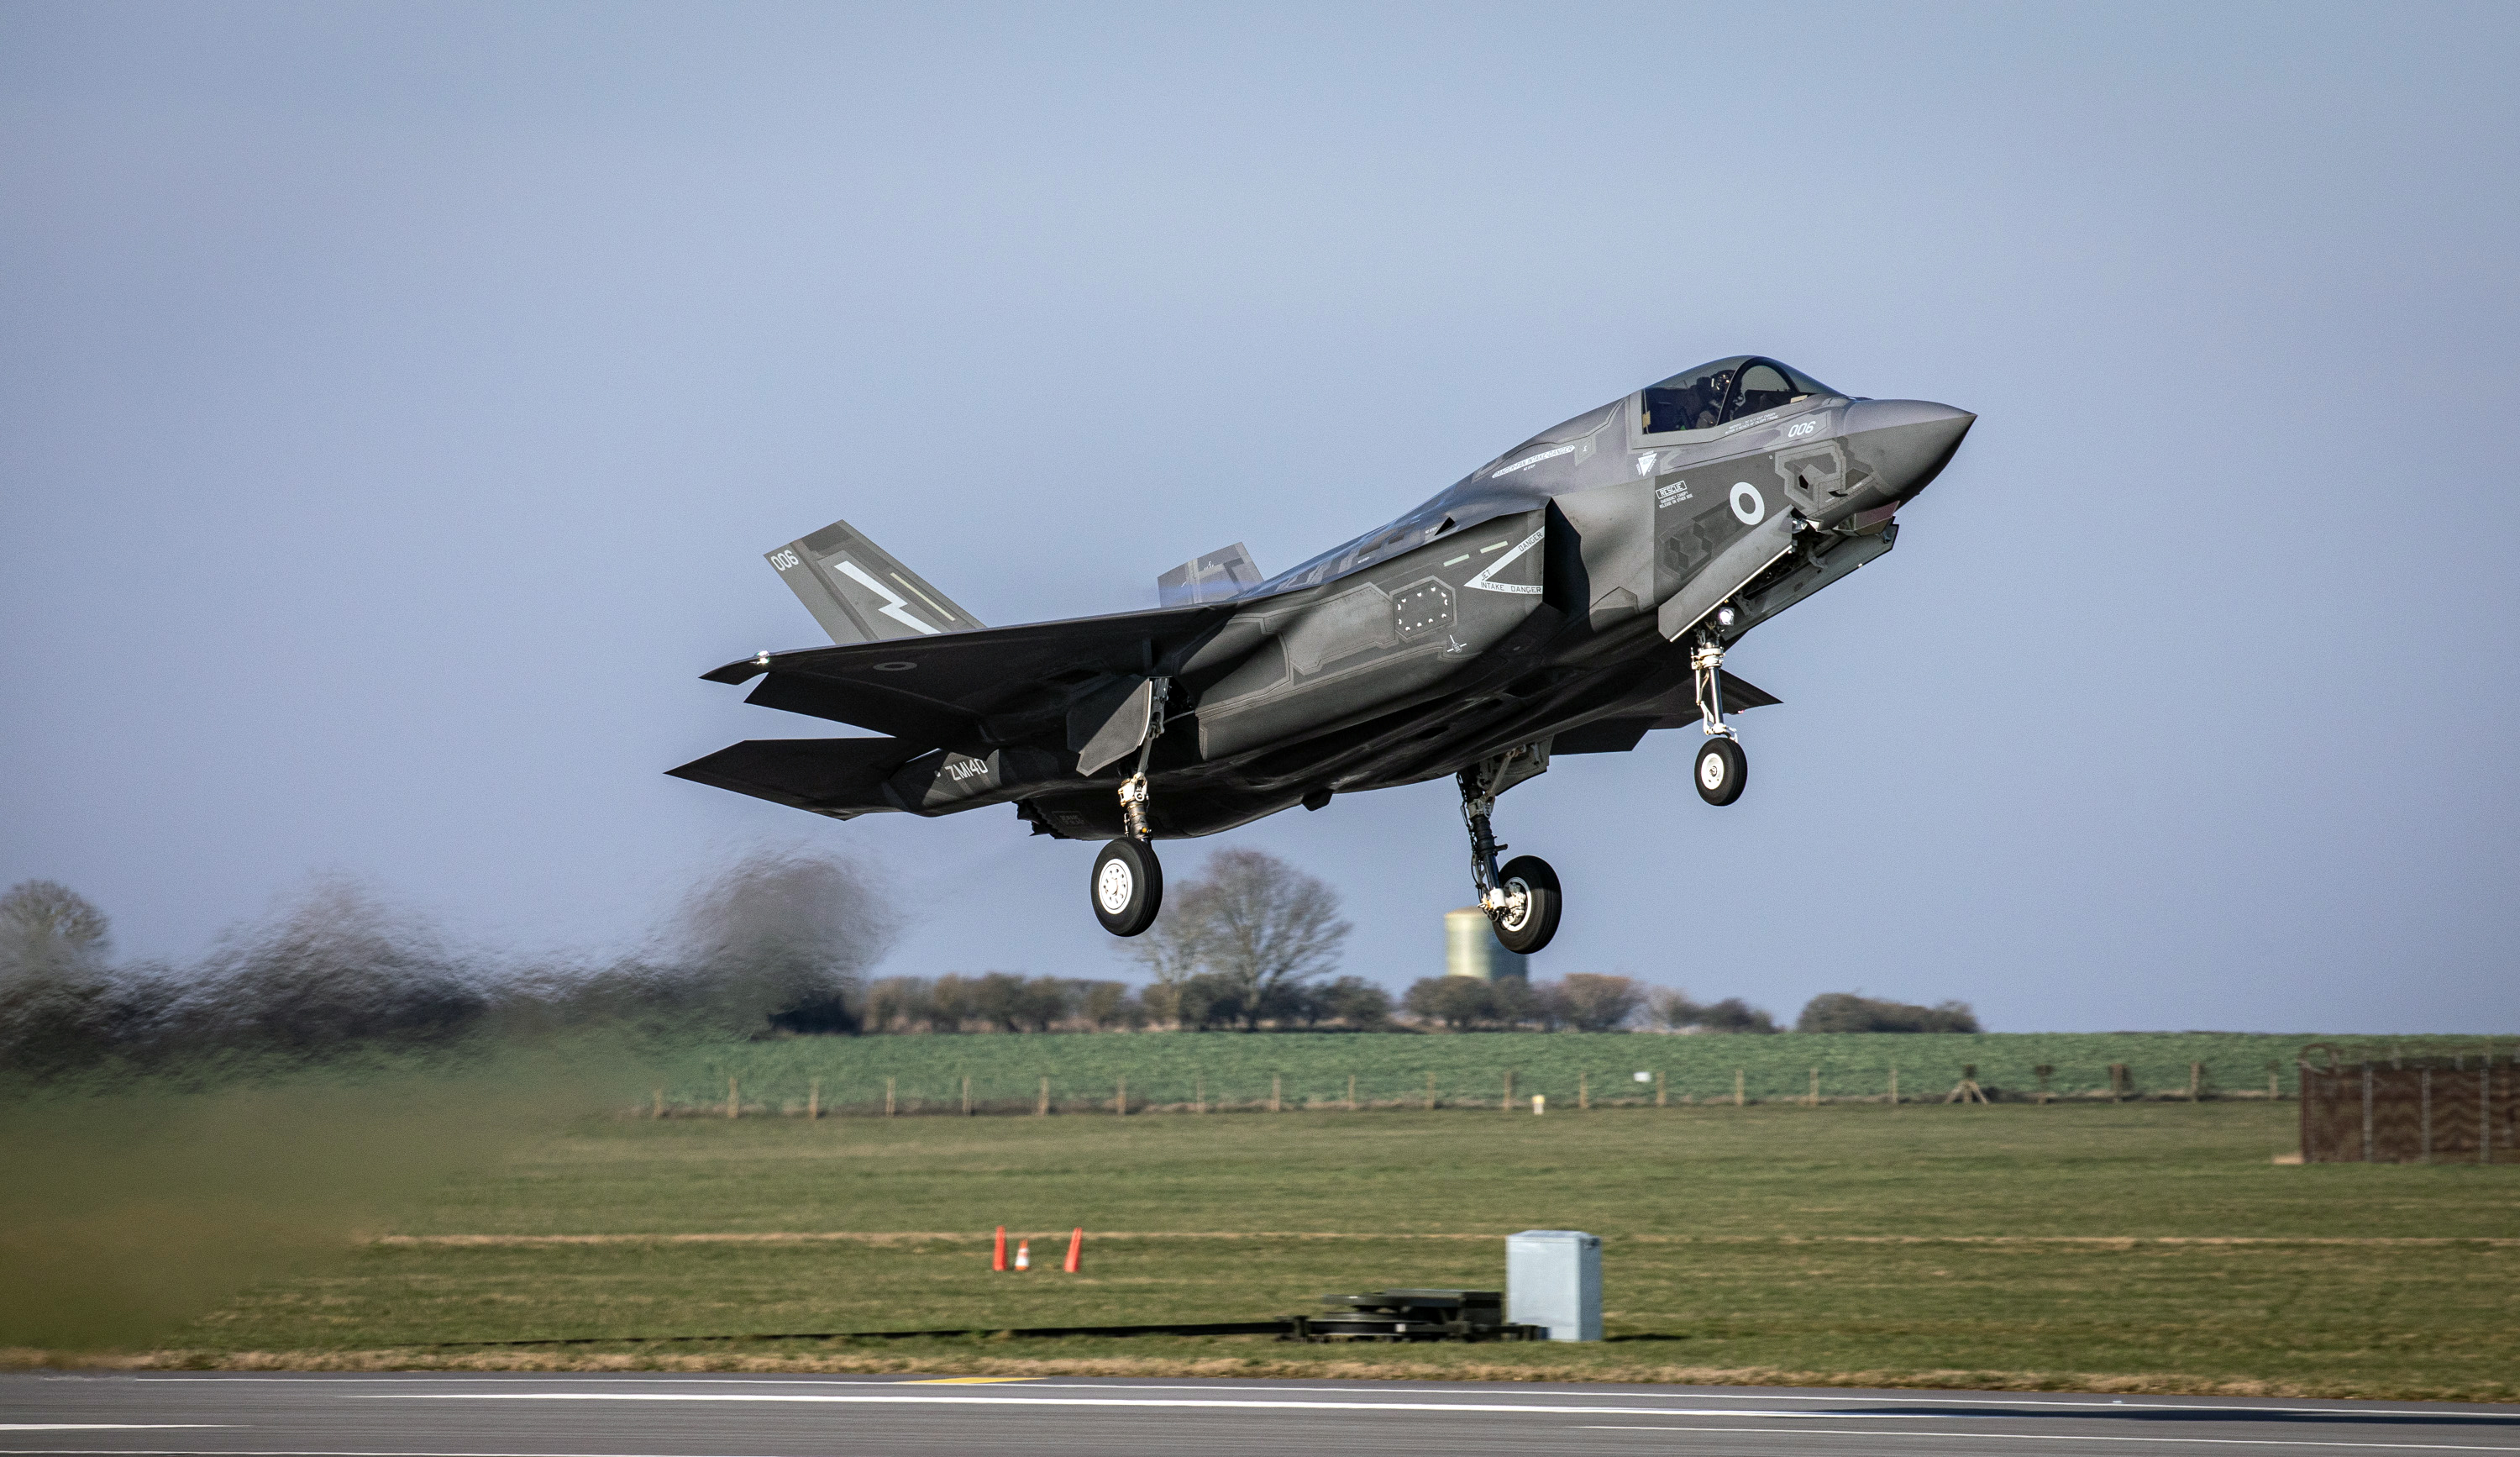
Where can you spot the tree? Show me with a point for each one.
(1848, 1012)
(1596, 1003)
(48, 931)
(780, 939)
(1354, 1002)
(1252, 919)
(55, 1006)
(1734, 1014)
(335, 966)
(1460, 1002)
(1108, 1006)
(1672, 1007)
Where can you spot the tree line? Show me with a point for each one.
(776, 944)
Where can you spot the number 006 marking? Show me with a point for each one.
(782, 559)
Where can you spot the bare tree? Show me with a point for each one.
(784, 940)
(50, 931)
(1595, 1003)
(1252, 921)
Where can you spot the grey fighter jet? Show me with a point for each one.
(1571, 596)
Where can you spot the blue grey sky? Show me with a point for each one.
(397, 400)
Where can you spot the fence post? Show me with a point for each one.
(887, 1097)
(1277, 1092)
(1198, 1092)
(1124, 1095)
(2195, 1081)
(1583, 1092)
(1042, 1111)
(1658, 1102)
(967, 1095)
(2485, 1110)
(2045, 1071)
(2426, 1079)
(1815, 1087)
(1351, 1092)
(812, 1100)
(733, 1107)
(1430, 1092)
(2366, 1114)
(660, 1103)
(1507, 1103)
(1894, 1087)
(1739, 1101)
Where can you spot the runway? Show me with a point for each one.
(434, 1414)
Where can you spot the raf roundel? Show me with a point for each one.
(1748, 504)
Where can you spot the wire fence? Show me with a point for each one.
(1223, 1073)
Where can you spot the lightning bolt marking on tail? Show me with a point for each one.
(895, 603)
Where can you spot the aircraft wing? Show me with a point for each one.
(966, 690)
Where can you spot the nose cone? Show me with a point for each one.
(1904, 443)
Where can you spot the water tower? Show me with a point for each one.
(1471, 949)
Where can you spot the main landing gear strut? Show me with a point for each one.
(1523, 899)
(1128, 879)
(1723, 769)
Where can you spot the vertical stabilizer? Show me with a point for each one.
(859, 593)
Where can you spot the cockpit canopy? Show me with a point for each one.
(1725, 390)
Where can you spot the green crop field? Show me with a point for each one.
(1180, 1069)
(2126, 1247)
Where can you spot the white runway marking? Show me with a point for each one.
(2210, 1441)
(1516, 1408)
(1904, 1398)
(904, 1398)
(104, 1426)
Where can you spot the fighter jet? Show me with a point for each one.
(1571, 596)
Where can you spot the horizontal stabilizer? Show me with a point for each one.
(1221, 575)
(859, 593)
(838, 777)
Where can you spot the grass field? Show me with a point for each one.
(1178, 1070)
(2137, 1247)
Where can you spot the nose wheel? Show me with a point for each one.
(1723, 769)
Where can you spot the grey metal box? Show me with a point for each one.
(1553, 1277)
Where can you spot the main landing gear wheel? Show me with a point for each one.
(1128, 887)
(1532, 905)
(1723, 771)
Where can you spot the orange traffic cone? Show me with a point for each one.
(998, 1261)
(1075, 1249)
(1023, 1254)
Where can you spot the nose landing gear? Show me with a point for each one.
(1723, 769)
(1523, 899)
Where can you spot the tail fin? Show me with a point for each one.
(1214, 578)
(859, 593)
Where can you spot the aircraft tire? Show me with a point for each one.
(1542, 902)
(1723, 771)
(1128, 887)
